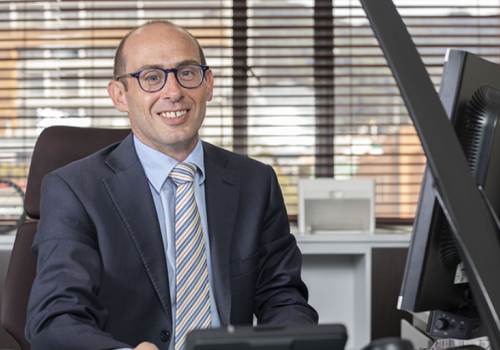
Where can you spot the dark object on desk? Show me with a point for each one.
(472, 221)
(56, 146)
(465, 325)
(389, 344)
(286, 337)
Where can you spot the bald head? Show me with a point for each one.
(121, 59)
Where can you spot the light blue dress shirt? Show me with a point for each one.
(157, 167)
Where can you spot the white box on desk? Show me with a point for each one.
(331, 206)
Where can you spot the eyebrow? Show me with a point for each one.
(161, 66)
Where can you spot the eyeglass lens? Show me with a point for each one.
(188, 76)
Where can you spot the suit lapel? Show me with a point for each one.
(131, 195)
(222, 198)
(129, 186)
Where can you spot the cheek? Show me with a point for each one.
(202, 99)
(139, 100)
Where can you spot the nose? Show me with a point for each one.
(172, 89)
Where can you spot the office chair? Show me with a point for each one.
(56, 146)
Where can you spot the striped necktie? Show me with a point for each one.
(193, 303)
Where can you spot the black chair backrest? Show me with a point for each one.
(56, 146)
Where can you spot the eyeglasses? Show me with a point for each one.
(189, 76)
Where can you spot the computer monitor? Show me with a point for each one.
(265, 337)
(434, 277)
(474, 227)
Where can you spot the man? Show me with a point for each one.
(108, 276)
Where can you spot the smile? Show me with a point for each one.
(173, 114)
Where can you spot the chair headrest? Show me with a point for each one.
(60, 145)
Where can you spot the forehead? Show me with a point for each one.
(159, 44)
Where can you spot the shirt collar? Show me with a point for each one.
(158, 165)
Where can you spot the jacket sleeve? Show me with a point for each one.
(280, 294)
(63, 310)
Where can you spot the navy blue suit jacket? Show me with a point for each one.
(102, 277)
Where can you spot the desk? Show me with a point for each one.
(7, 241)
(336, 268)
(339, 270)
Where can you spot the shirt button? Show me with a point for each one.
(165, 336)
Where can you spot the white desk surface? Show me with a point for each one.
(380, 237)
(7, 241)
(333, 243)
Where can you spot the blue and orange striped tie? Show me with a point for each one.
(193, 302)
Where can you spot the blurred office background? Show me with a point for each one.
(300, 84)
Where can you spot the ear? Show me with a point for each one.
(116, 91)
(209, 76)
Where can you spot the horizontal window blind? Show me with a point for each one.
(56, 59)
(299, 84)
(322, 100)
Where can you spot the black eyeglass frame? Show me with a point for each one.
(166, 71)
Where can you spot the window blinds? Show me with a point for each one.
(299, 84)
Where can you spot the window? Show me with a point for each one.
(300, 84)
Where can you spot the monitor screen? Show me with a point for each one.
(470, 215)
(435, 278)
(276, 337)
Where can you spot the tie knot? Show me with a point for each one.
(183, 172)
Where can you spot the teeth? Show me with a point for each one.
(173, 114)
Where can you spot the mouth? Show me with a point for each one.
(171, 115)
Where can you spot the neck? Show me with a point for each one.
(179, 152)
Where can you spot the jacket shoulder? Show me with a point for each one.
(89, 164)
(231, 160)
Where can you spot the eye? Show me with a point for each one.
(152, 76)
(187, 73)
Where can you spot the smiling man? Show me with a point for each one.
(161, 233)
